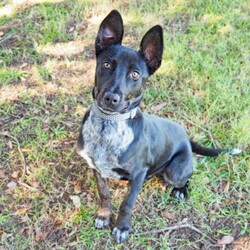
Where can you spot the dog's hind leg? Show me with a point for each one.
(104, 213)
(178, 172)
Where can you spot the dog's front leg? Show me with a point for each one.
(104, 213)
(121, 231)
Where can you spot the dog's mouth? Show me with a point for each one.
(109, 106)
(123, 107)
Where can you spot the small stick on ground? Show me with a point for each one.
(21, 154)
(176, 227)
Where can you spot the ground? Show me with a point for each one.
(48, 196)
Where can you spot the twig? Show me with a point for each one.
(176, 227)
(20, 151)
(205, 130)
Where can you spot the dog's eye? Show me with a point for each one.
(107, 66)
(135, 75)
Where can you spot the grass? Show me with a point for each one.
(8, 76)
(203, 84)
(45, 73)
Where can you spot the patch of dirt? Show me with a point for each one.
(64, 49)
(66, 79)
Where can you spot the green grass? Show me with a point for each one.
(203, 82)
(45, 73)
(8, 76)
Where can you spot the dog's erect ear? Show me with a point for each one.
(110, 31)
(152, 48)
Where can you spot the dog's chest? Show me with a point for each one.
(104, 142)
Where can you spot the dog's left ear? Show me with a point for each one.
(152, 48)
(110, 31)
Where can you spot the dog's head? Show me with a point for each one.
(121, 72)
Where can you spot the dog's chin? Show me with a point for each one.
(110, 110)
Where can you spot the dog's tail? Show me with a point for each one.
(196, 148)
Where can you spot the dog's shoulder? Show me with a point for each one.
(157, 123)
(163, 135)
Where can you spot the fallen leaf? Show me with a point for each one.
(89, 197)
(66, 108)
(122, 183)
(199, 94)
(15, 174)
(168, 113)
(39, 236)
(76, 200)
(77, 188)
(34, 184)
(10, 145)
(83, 195)
(226, 240)
(213, 212)
(81, 27)
(206, 180)
(142, 105)
(22, 209)
(2, 174)
(168, 215)
(12, 184)
(30, 230)
(228, 202)
(9, 191)
(71, 29)
(21, 231)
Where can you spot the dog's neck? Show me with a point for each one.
(113, 117)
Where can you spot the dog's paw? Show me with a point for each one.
(101, 222)
(180, 193)
(120, 234)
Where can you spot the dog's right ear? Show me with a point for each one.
(152, 48)
(110, 31)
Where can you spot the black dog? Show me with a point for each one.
(117, 139)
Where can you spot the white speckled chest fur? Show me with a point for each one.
(104, 142)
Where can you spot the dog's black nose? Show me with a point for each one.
(111, 99)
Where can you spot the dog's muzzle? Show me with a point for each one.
(111, 103)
